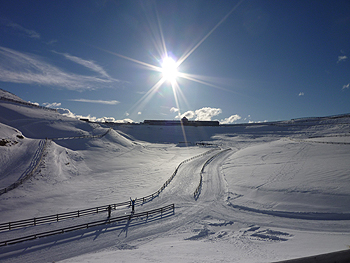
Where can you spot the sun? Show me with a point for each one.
(169, 69)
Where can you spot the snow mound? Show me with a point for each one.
(18, 155)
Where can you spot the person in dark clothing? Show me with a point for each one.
(133, 205)
(109, 211)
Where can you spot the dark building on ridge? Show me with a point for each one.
(184, 121)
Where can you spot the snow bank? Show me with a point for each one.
(281, 192)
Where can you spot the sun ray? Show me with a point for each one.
(175, 87)
(147, 65)
(139, 105)
(195, 78)
(165, 51)
(170, 72)
(185, 56)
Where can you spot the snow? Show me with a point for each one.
(279, 191)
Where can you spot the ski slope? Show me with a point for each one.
(279, 191)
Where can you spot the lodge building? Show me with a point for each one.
(184, 121)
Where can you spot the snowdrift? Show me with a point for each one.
(280, 191)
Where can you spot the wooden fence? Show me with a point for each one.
(82, 136)
(47, 141)
(162, 211)
(58, 217)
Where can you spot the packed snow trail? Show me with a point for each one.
(210, 217)
(182, 189)
(207, 230)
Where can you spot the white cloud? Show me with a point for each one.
(341, 58)
(139, 113)
(51, 42)
(188, 115)
(301, 94)
(109, 102)
(257, 121)
(206, 113)
(86, 63)
(203, 114)
(68, 113)
(52, 105)
(125, 121)
(17, 67)
(346, 86)
(22, 30)
(173, 109)
(35, 103)
(109, 119)
(230, 119)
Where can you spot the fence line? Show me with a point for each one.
(311, 141)
(27, 104)
(26, 176)
(29, 174)
(58, 217)
(82, 137)
(161, 211)
(199, 187)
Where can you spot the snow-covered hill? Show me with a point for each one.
(281, 191)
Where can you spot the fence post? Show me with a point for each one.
(34, 221)
(78, 213)
(9, 225)
(57, 217)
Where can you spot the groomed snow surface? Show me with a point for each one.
(281, 191)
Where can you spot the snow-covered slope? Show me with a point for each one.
(8, 95)
(16, 154)
(281, 191)
(39, 123)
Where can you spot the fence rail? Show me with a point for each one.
(27, 104)
(312, 141)
(62, 216)
(29, 174)
(161, 211)
(38, 162)
(58, 217)
(82, 136)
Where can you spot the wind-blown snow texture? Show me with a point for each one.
(282, 191)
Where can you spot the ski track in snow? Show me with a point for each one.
(35, 160)
(269, 198)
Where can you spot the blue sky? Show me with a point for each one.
(240, 61)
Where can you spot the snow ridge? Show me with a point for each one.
(35, 163)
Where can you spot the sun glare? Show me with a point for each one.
(169, 69)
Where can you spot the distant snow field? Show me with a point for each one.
(280, 190)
